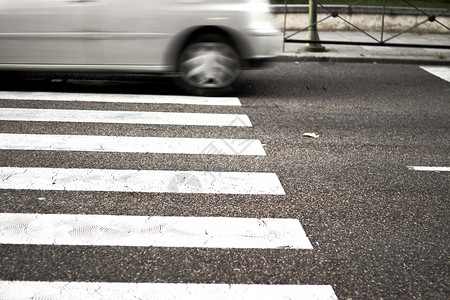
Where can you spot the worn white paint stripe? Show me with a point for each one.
(441, 72)
(429, 169)
(122, 117)
(161, 291)
(130, 144)
(121, 98)
(143, 231)
(146, 181)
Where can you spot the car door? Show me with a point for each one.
(42, 31)
(134, 32)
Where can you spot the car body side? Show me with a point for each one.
(133, 36)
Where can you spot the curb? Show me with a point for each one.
(294, 57)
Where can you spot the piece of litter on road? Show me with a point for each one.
(311, 134)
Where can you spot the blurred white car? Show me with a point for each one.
(207, 42)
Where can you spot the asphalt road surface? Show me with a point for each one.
(243, 203)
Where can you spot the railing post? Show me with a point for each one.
(312, 34)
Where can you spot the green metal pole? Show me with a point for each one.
(312, 34)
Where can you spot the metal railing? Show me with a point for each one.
(336, 11)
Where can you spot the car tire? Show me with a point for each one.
(209, 66)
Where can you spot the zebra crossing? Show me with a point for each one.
(29, 228)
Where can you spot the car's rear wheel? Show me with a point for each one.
(209, 65)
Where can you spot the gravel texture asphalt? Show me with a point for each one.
(379, 230)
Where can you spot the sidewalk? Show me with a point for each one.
(378, 54)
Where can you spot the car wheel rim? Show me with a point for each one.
(209, 65)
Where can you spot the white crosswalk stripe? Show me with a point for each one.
(161, 291)
(130, 144)
(429, 169)
(145, 181)
(441, 72)
(120, 98)
(123, 117)
(76, 230)
(155, 231)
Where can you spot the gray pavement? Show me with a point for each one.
(379, 230)
(378, 54)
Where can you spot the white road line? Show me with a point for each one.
(146, 181)
(143, 231)
(441, 72)
(121, 98)
(130, 144)
(429, 169)
(161, 291)
(123, 117)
